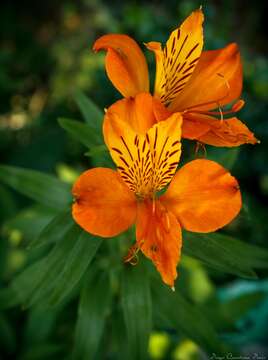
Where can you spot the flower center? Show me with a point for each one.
(147, 162)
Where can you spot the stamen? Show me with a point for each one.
(238, 105)
(132, 256)
(221, 114)
(235, 108)
(199, 145)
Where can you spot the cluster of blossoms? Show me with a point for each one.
(143, 134)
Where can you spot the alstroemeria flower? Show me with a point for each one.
(188, 80)
(202, 196)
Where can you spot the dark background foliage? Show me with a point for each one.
(45, 58)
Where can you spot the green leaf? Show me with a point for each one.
(224, 315)
(44, 351)
(50, 280)
(95, 300)
(8, 336)
(226, 157)
(30, 222)
(33, 333)
(40, 187)
(75, 266)
(8, 298)
(81, 132)
(225, 253)
(137, 309)
(54, 231)
(92, 114)
(173, 311)
(97, 150)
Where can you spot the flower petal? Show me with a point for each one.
(137, 112)
(104, 205)
(125, 63)
(203, 196)
(230, 132)
(212, 131)
(158, 236)
(146, 161)
(217, 80)
(176, 63)
(193, 127)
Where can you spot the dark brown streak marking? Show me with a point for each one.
(182, 66)
(173, 92)
(188, 69)
(143, 146)
(124, 161)
(191, 51)
(193, 61)
(117, 150)
(160, 156)
(184, 41)
(174, 152)
(156, 136)
(121, 137)
(173, 44)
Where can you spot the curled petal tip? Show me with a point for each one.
(173, 288)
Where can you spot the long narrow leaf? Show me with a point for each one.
(94, 306)
(223, 253)
(91, 113)
(54, 231)
(50, 280)
(175, 312)
(137, 309)
(75, 266)
(40, 187)
(82, 132)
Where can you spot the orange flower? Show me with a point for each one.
(202, 195)
(197, 84)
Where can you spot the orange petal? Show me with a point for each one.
(160, 111)
(104, 205)
(158, 236)
(193, 127)
(146, 161)
(230, 132)
(217, 79)
(137, 112)
(176, 63)
(125, 64)
(203, 196)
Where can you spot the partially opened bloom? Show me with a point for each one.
(188, 80)
(202, 196)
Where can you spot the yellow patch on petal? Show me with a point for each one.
(146, 162)
(176, 63)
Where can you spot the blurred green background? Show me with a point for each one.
(45, 58)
